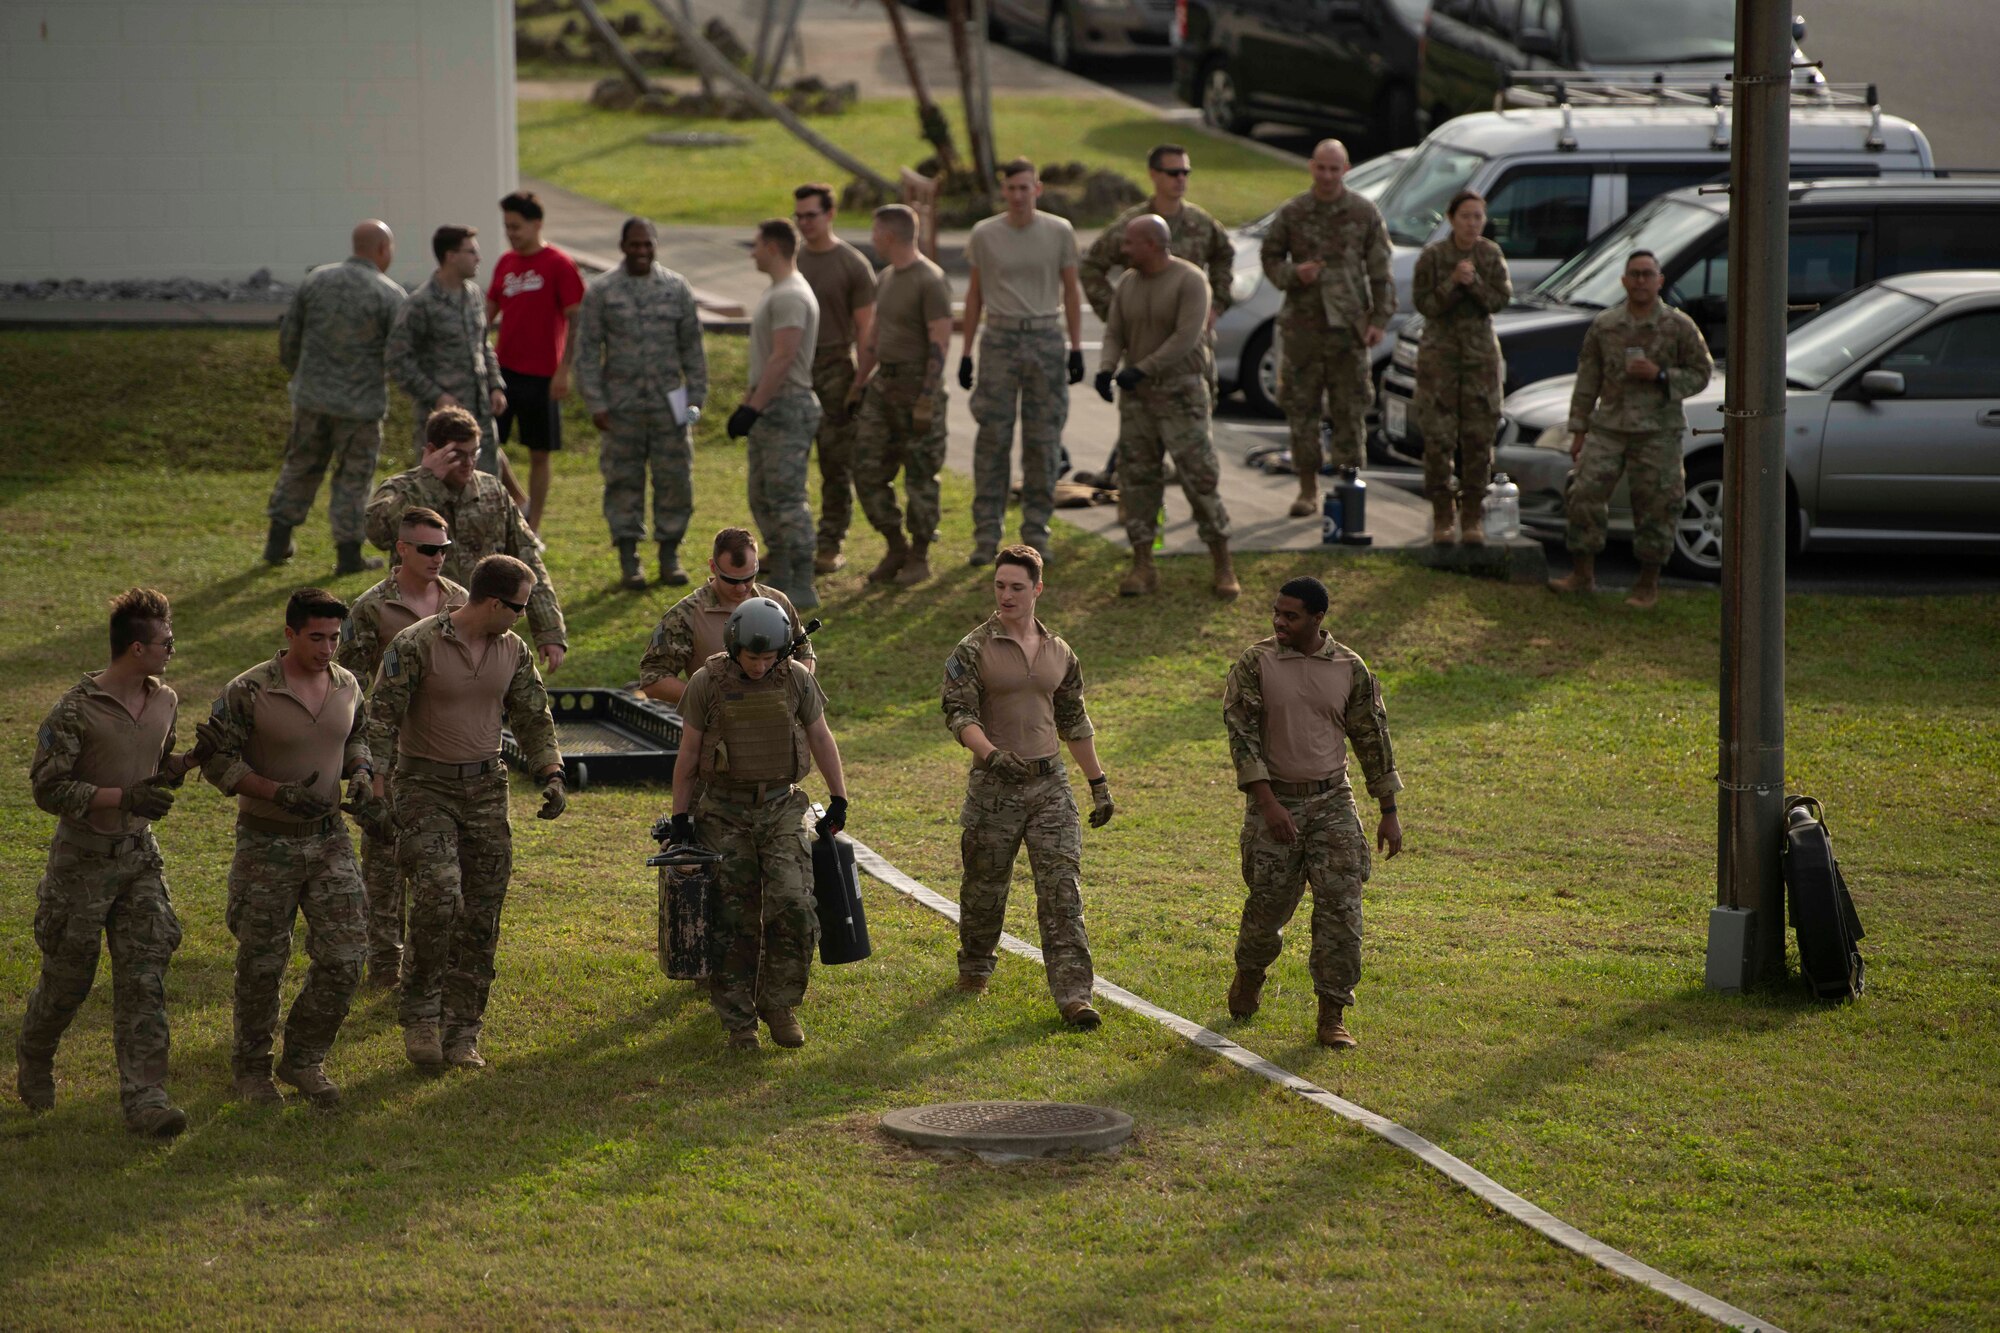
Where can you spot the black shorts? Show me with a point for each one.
(529, 404)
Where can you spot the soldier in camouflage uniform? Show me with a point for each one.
(415, 590)
(844, 286)
(638, 356)
(437, 346)
(1461, 282)
(447, 684)
(780, 414)
(286, 733)
(903, 410)
(1328, 252)
(1159, 317)
(1640, 360)
(1291, 705)
(691, 631)
(753, 724)
(1013, 695)
(484, 520)
(1025, 286)
(332, 344)
(99, 759)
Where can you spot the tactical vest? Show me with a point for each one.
(751, 734)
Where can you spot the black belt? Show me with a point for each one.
(100, 844)
(285, 828)
(748, 793)
(431, 768)
(1021, 323)
(1303, 788)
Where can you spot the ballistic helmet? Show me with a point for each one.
(758, 625)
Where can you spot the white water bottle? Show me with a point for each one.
(1502, 517)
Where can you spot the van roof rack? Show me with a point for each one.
(1568, 89)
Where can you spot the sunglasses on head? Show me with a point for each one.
(430, 548)
(1175, 171)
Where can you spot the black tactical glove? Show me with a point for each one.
(741, 420)
(1101, 808)
(681, 832)
(1130, 377)
(1006, 764)
(965, 372)
(555, 797)
(299, 798)
(147, 800)
(1103, 383)
(1076, 365)
(835, 818)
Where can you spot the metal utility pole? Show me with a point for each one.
(1746, 935)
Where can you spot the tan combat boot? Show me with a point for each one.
(1646, 592)
(1224, 585)
(631, 576)
(785, 1028)
(1308, 502)
(671, 572)
(1582, 575)
(1333, 1032)
(1079, 1015)
(312, 1081)
(421, 1045)
(1442, 533)
(971, 983)
(1246, 992)
(1471, 525)
(464, 1054)
(1143, 577)
(743, 1039)
(34, 1079)
(917, 568)
(892, 562)
(257, 1090)
(157, 1122)
(829, 562)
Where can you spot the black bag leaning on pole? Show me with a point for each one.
(1822, 913)
(843, 926)
(687, 910)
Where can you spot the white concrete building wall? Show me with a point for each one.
(211, 138)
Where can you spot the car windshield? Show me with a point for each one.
(1373, 176)
(1830, 341)
(1413, 205)
(1659, 32)
(1667, 227)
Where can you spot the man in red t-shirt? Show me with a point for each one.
(534, 295)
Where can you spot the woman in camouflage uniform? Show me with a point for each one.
(1460, 283)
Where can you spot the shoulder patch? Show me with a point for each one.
(45, 738)
(392, 663)
(953, 668)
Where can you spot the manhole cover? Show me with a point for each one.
(1027, 1128)
(695, 139)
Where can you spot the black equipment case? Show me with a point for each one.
(608, 736)
(843, 926)
(1822, 913)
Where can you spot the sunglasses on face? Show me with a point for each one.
(1175, 171)
(166, 643)
(751, 577)
(429, 548)
(518, 608)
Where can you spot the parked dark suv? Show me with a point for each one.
(1345, 66)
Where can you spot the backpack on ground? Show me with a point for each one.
(1822, 913)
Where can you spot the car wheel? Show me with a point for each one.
(1062, 38)
(1697, 550)
(1257, 374)
(1221, 102)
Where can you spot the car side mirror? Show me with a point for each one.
(1882, 384)
(1537, 42)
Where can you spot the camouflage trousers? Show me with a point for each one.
(1326, 375)
(1331, 854)
(1457, 408)
(481, 407)
(888, 439)
(1168, 418)
(383, 882)
(767, 925)
(457, 849)
(997, 818)
(779, 447)
(636, 443)
(119, 895)
(273, 880)
(317, 440)
(1020, 369)
(833, 378)
(1651, 464)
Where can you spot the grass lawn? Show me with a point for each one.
(1533, 999)
(604, 154)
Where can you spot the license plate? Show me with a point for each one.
(1395, 417)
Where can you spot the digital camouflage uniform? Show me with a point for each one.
(278, 875)
(889, 439)
(332, 343)
(833, 380)
(375, 618)
(1634, 426)
(1028, 366)
(483, 520)
(751, 810)
(780, 450)
(1326, 360)
(438, 346)
(638, 340)
(1330, 852)
(1457, 403)
(673, 650)
(1001, 814)
(454, 841)
(100, 883)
